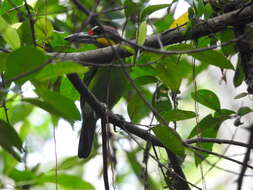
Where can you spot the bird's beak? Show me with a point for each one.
(81, 37)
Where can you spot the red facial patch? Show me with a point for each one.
(91, 32)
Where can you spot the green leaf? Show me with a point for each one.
(58, 107)
(20, 112)
(43, 30)
(136, 108)
(152, 8)
(207, 98)
(200, 8)
(44, 105)
(132, 8)
(67, 89)
(9, 139)
(62, 104)
(163, 23)
(144, 80)
(178, 115)
(52, 7)
(213, 58)
(25, 34)
(169, 72)
(21, 176)
(170, 139)
(142, 33)
(9, 34)
(224, 113)
(226, 36)
(23, 60)
(147, 57)
(210, 57)
(69, 163)
(7, 5)
(60, 68)
(241, 95)
(3, 59)
(137, 72)
(208, 128)
(244, 110)
(208, 11)
(67, 181)
(239, 75)
(128, 48)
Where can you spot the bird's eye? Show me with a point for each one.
(97, 30)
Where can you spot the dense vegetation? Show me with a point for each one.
(184, 79)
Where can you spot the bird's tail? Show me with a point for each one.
(86, 137)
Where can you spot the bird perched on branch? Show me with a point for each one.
(101, 36)
(107, 84)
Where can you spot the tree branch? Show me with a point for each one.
(207, 27)
(112, 118)
(218, 141)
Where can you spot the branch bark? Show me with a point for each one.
(210, 26)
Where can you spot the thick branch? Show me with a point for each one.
(112, 118)
(131, 128)
(207, 27)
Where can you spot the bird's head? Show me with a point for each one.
(101, 36)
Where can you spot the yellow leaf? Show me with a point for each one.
(180, 20)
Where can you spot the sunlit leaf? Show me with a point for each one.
(208, 11)
(19, 112)
(68, 90)
(142, 33)
(21, 176)
(43, 29)
(9, 34)
(67, 181)
(60, 68)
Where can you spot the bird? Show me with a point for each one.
(100, 81)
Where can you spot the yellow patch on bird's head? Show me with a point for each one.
(105, 41)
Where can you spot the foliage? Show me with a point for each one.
(168, 83)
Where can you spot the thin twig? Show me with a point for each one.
(217, 154)
(218, 141)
